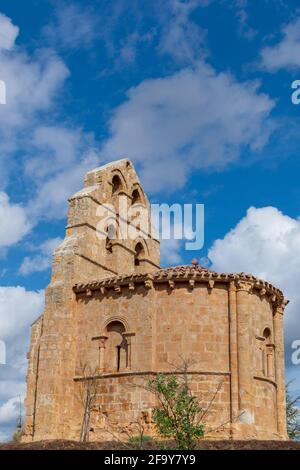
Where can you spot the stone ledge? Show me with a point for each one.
(79, 378)
(265, 379)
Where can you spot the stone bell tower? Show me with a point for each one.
(109, 227)
(97, 246)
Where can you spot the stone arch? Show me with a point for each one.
(118, 182)
(267, 333)
(141, 251)
(137, 195)
(118, 318)
(267, 352)
(116, 347)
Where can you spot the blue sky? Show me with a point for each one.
(197, 93)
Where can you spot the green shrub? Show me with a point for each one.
(178, 411)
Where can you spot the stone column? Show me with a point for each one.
(270, 361)
(245, 354)
(128, 335)
(233, 359)
(102, 341)
(101, 361)
(279, 370)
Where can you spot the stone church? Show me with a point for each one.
(110, 309)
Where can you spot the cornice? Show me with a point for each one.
(193, 276)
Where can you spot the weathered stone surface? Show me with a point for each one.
(126, 319)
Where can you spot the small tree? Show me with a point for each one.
(19, 432)
(87, 395)
(292, 415)
(177, 415)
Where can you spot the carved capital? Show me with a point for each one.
(232, 286)
(148, 284)
(243, 286)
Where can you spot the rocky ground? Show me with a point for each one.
(152, 445)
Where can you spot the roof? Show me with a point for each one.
(182, 273)
(109, 164)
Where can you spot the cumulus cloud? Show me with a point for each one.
(18, 309)
(10, 410)
(49, 201)
(180, 37)
(14, 224)
(57, 145)
(32, 83)
(73, 27)
(42, 260)
(56, 156)
(241, 12)
(170, 252)
(8, 33)
(285, 54)
(194, 119)
(266, 243)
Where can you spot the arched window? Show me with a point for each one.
(116, 184)
(267, 334)
(139, 254)
(267, 354)
(136, 197)
(116, 348)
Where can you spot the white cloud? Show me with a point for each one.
(265, 243)
(74, 26)
(10, 410)
(32, 85)
(18, 309)
(41, 261)
(286, 53)
(50, 199)
(8, 33)
(58, 146)
(170, 252)
(14, 225)
(194, 119)
(180, 37)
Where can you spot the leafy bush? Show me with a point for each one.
(17, 435)
(292, 415)
(178, 411)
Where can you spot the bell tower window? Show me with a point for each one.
(139, 254)
(136, 197)
(116, 184)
